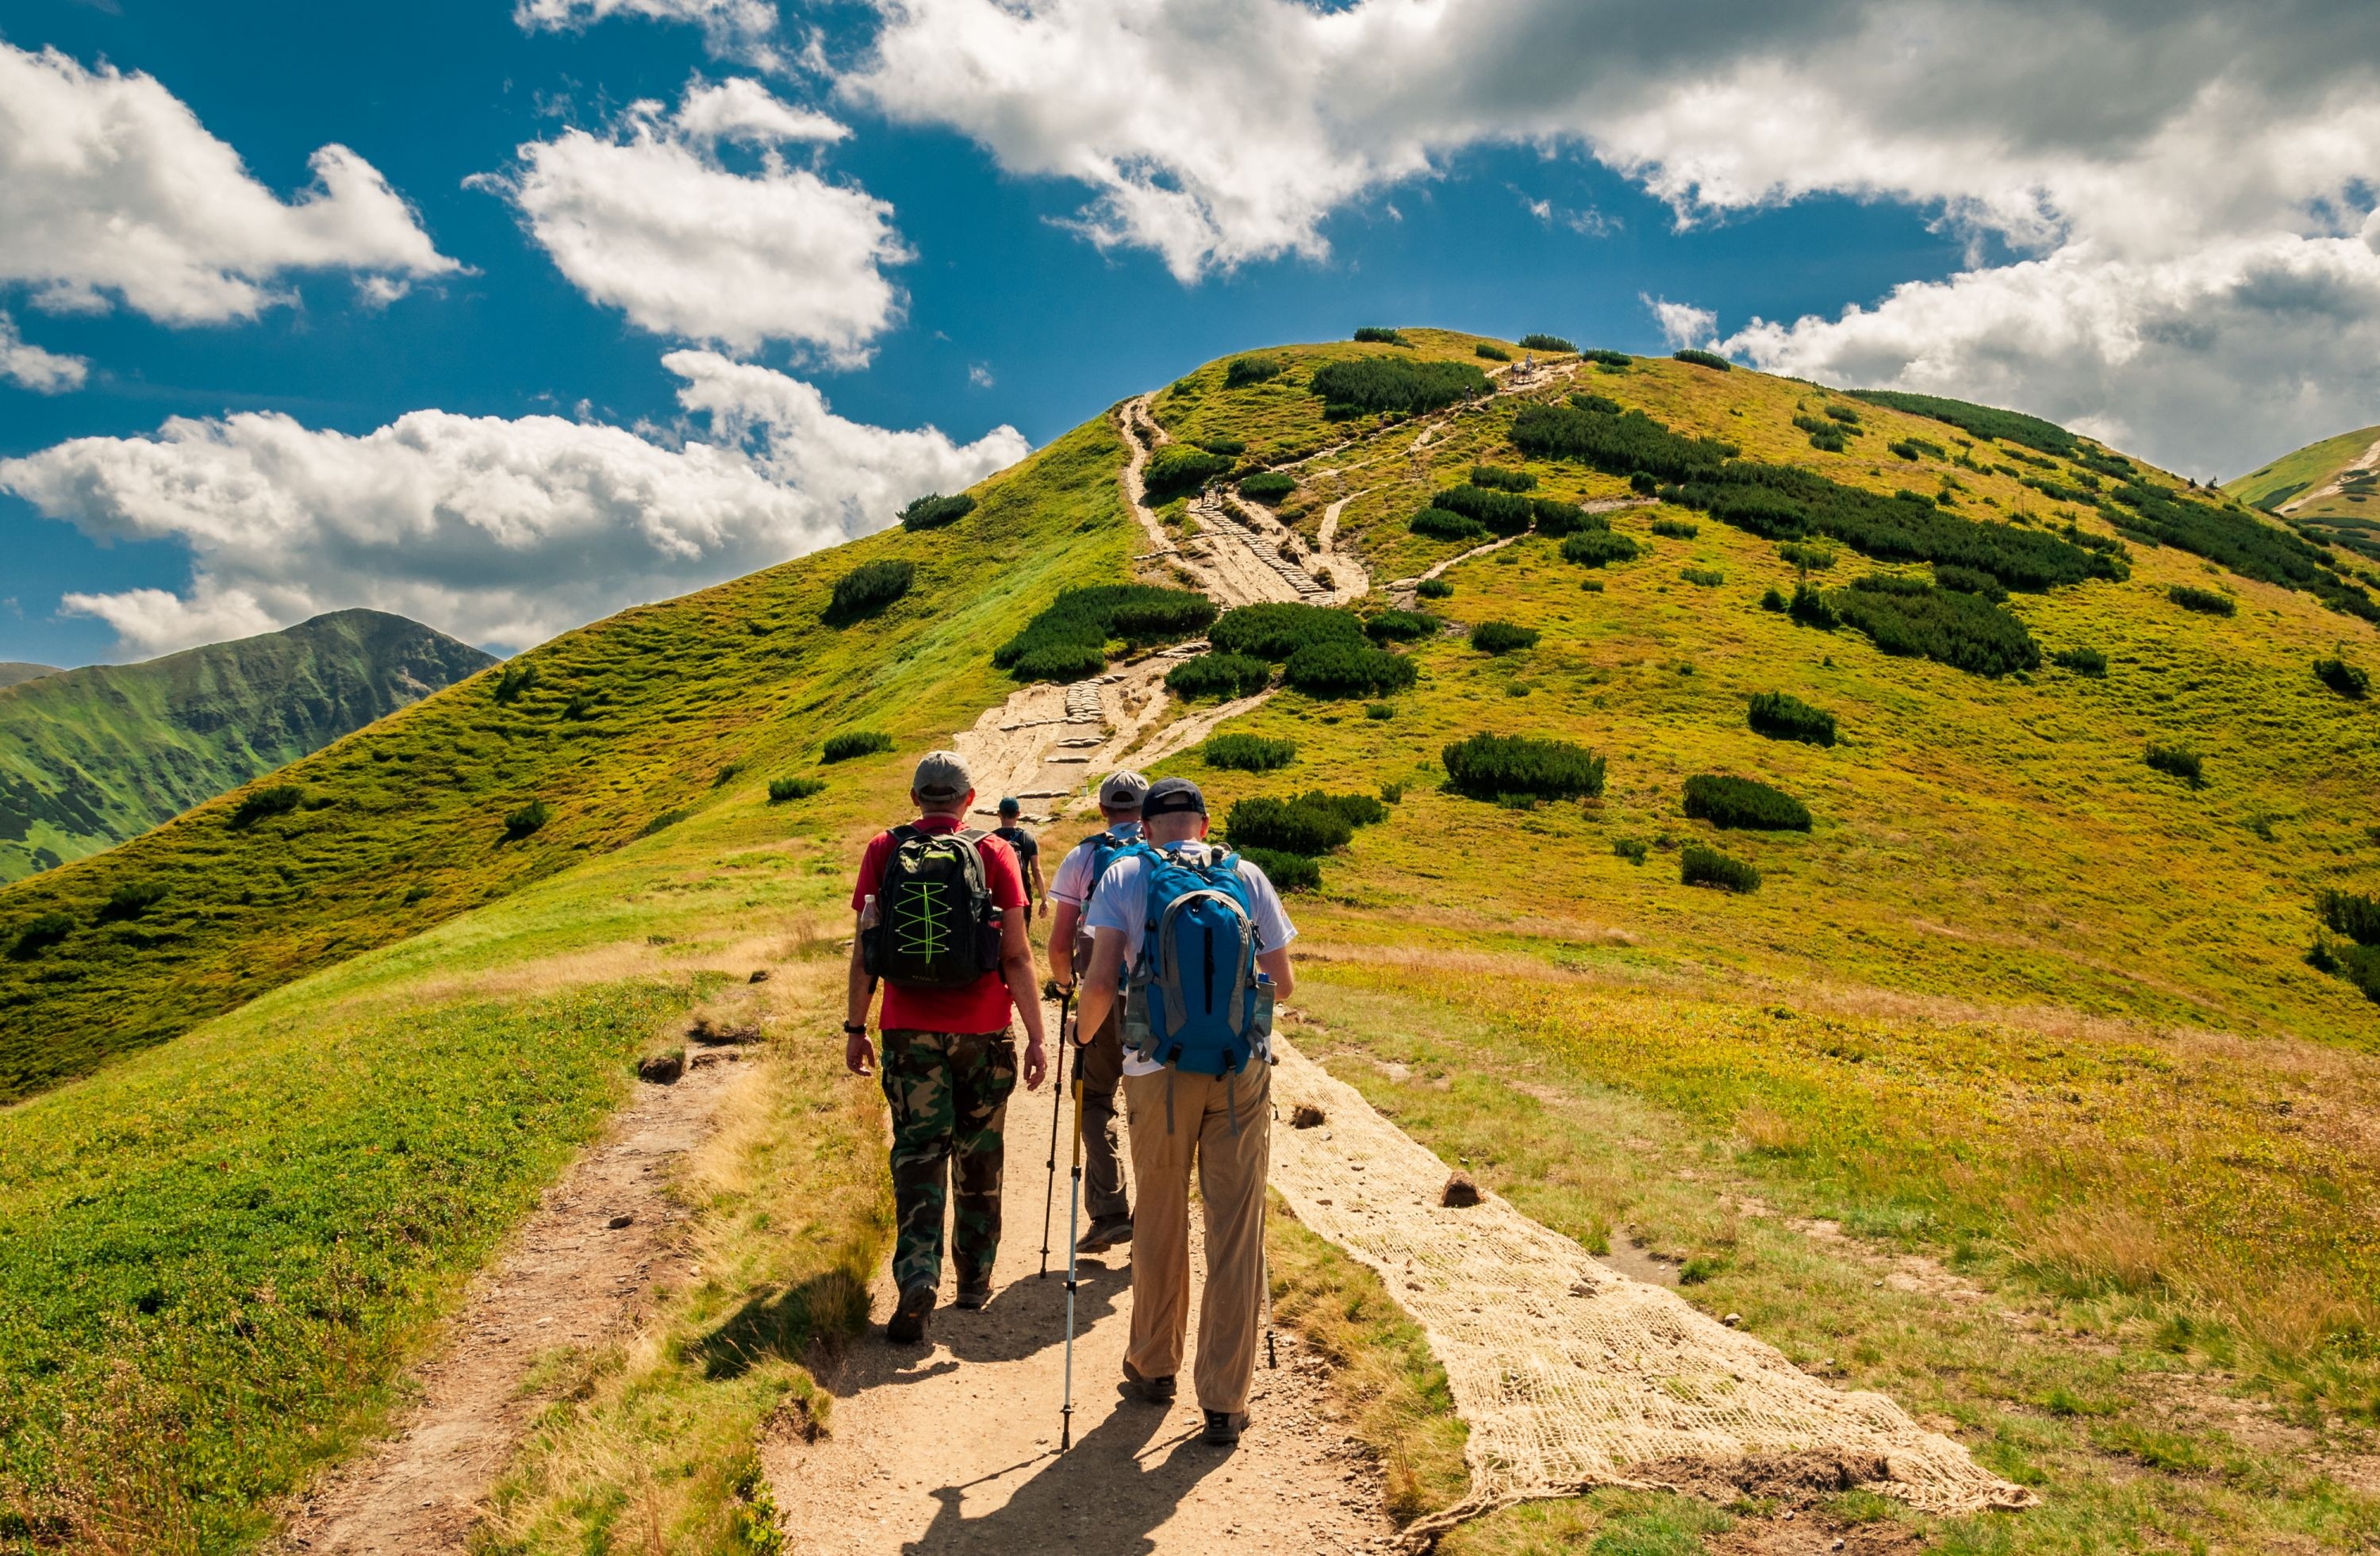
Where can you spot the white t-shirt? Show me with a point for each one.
(1122, 903)
(1072, 882)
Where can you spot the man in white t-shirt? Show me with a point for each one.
(1099, 1063)
(1224, 1122)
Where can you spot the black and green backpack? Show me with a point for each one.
(936, 927)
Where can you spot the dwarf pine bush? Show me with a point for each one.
(1440, 523)
(1180, 466)
(1745, 803)
(846, 744)
(1593, 548)
(1274, 630)
(1810, 559)
(1969, 581)
(1373, 335)
(1390, 384)
(1782, 716)
(526, 820)
(1491, 352)
(1288, 873)
(1067, 639)
(1502, 479)
(39, 933)
(1964, 631)
(1433, 589)
(1701, 866)
(1400, 627)
(1230, 448)
(1294, 826)
(781, 790)
(1504, 511)
(1242, 370)
(2351, 914)
(1266, 486)
(1606, 359)
(2206, 602)
(1558, 519)
(1493, 767)
(869, 587)
(1217, 675)
(1503, 637)
(2179, 761)
(1247, 753)
(1676, 528)
(1704, 577)
(1546, 342)
(2348, 680)
(1347, 669)
(1704, 359)
(934, 510)
(277, 799)
(2082, 662)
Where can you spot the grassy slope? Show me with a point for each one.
(214, 1253)
(2314, 465)
(2199, 1207)
(2348, 520)
(90, 757)
(16, 671)
(403, 825)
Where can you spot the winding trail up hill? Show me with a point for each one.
(90, 758)
(2329, 490)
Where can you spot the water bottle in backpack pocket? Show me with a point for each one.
(1195, 999)
(937, 927)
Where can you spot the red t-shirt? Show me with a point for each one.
(982, 1006)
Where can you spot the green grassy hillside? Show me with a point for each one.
(16, 671)
(90, 758)
(2327, 491)
(2010, 1091)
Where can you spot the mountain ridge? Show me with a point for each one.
(91, 757)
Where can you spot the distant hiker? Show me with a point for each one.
(1027, 850)
(1201, 936)
(1101, 1060)
(938, 924)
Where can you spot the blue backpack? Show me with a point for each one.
(1106, 848)
(1195, 999)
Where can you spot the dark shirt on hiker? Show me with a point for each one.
(1027, 849)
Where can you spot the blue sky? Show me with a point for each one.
(1008, 314)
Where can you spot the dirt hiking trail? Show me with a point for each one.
(952, 1446)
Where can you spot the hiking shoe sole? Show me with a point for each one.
(908, 1325)
(971, 1298)
(1223, 1427)
(1098, 1239)
(1153, 1391)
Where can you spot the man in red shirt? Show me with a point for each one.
(943, 930)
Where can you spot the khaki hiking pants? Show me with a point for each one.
(1101, 1063)
(1231, 1169)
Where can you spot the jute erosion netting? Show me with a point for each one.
(1568, 1375)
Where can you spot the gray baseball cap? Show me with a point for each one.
(1172, 796)
(1124, 789)
(942, 775)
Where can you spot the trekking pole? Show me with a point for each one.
(1074, 1206)
(1057, 1111)
(1264, 1254)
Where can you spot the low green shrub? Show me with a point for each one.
(1433, 589)
(526, 820)
(1347, 669)
(1964, 631)
(1230, 448)
(131, 900)
(1809, 559)
(2082, 662)
(2348, 680)
(1629, 848)
(1744, 803)
(1440, 524)
(1493, 767)
(1701, 866)
(277, 799)
(1357, 810)
(1242, 370)
(1218, 674)
(1400, 627)
(1844, 413)
(1357, 384)
(1247, 753)
(1504, 511)
(1704, 577)
(1493, 353)
(2179, 761)
(1593, 548)
(781, 790)
(934, 510)
(2206, 602)
(1503, 637)
(1782, 716)
(851, 743)
(1274, 630)
(1500, 478)
(1558, 519)
(661, 822)
(1373, 335)
(1179, 467)
(1969, 581)
(1554, 343)
(1288, 873)
(40, 932)
(1770, 599)
(1604, 358)
(1266, 486)
(2351, 914)
(1379, 711)
(1291, 826)
(1810, 607)
(869, 587)
(513, 680)
(1067, 639)
(1704, 359)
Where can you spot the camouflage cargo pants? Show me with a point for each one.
(949, 1093)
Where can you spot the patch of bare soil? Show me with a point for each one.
(952, 1446)
(1794, 1485)
(577, 1271)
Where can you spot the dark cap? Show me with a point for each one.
(1173, 797)
(1010, 807)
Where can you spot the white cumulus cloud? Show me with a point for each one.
(2085, 147)
(732, 28)
(649, 219)
(30, 367)
(1683, 324)
(499, 531)
(112, 191)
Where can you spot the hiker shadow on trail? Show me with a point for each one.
(1105, 1497)
(1029, 1316)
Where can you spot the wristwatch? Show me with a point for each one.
(856, 1029)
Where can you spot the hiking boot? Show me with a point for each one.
(971, 1298)
(908, 1325)
(1154, 1390)
(1105, 1234)
(1223, 1426)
